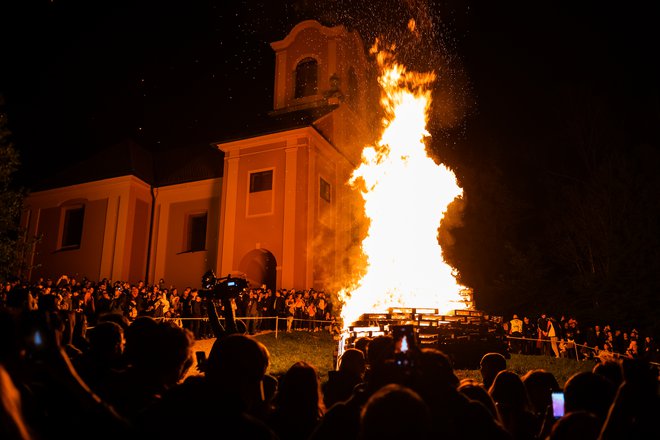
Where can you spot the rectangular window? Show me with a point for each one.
(324, 190)
(197, 232)
(73, 227)
(261, 181)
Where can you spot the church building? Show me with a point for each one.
(273, 205)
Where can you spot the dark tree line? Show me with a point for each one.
(12, 243)
(572, 228)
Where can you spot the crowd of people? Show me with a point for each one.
(127, 376)
(565, 337)
(258, 308)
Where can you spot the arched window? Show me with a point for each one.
(352, 87)
(307, 78)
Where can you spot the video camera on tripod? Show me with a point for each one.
(225, 290)
(221, 288)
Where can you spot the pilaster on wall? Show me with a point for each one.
(110, 236)
(228, 216)
(332, 58)
(155, 234)
(121, 253)
(280, 80)
(161, 225)
(290, 188)
(312, 186)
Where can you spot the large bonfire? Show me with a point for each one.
(405, 196)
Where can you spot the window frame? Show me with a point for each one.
(190, 233)
(65, 233)
(252, 184)
(325, 184)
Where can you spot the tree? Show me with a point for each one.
(12, 242)
(602, 214)
(572, 229)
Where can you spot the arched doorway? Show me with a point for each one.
(260, 267)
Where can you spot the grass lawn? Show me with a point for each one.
(318, 349)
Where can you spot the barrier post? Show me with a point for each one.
(277, 321)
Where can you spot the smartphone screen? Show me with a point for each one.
(405, 346)
(37, 339)
(404, 338)
(557, 404)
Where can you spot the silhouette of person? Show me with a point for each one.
(490, 365)
(340, 384)
(395, 412)
(298, 404)
(227, 398)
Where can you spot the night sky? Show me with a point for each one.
(530, 95)
(78, 75)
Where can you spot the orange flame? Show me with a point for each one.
(406, 194)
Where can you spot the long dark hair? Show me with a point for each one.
(300, 392)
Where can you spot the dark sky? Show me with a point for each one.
(78, 75)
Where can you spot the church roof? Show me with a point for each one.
(186, 163)
(127, 157)
(275, 122)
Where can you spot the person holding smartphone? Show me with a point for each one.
(405, 346)
(557, 404)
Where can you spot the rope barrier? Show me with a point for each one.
(258, 318)
(595, 350)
